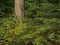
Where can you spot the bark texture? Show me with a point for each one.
(19, 8)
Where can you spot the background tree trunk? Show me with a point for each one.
(19, 8)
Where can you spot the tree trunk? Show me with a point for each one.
(19, 8)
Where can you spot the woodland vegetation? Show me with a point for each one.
(34, 22)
